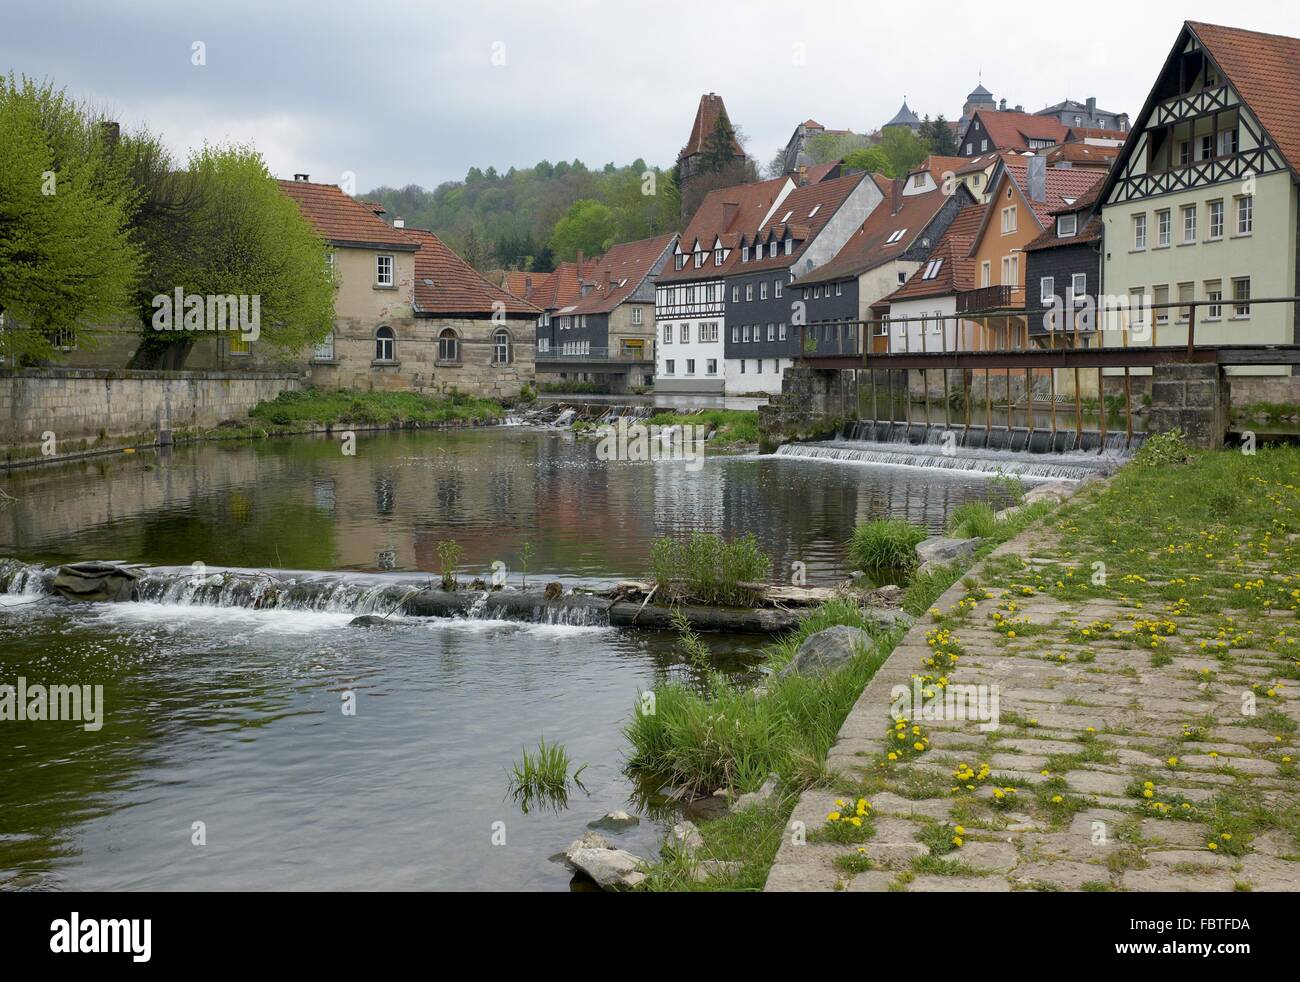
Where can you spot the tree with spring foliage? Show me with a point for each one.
(66, 253)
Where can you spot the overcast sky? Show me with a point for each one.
(404, 92)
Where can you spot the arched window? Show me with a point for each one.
(501, 347)
(448, 345)
(385, 344)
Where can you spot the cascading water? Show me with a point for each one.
(1031, 454)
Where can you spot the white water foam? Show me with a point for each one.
(961, 460)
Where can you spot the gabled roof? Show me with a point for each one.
(1065, 186)
(1265, 71)
(446, 284)
(706, 119)
(521, 282)
(342, 220)
(938, 166)
(724, 211)
(562, 287)
(626, 265)
(1089, 227)
(957, 271)
(869, 246)
(1013, 131)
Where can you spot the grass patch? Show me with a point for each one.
(542, 777)
(336, 406)
(708, 568)
(973, 520)
(730, 426)
(888, 543)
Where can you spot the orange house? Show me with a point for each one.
(1023, 192)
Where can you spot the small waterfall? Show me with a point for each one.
(1030, 454)
(19, 579)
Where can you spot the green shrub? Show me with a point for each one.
(1162, 450)
(708, 568)
(730, 426)
(973, 520)
(888, 543)
(543, 777)
(332, 406)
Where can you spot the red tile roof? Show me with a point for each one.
(1265, 70)
(1064, 186)
(706, 118)
(1081, 155)
(342, 220)
(1013, 131)
(746, 204)
(627, 264)
(984, 161)
(938, 166)
(561, 287)
(957, 272)
(869, 246)
(521, 282)
(446, 284)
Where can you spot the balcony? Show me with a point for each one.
(619, 358)
(991, 299)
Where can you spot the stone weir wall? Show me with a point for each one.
(87, 410)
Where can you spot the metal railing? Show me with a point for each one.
(597, 354)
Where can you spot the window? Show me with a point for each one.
(712, 366)
(670, 367)
(501, 354)
(1010, 270)
(1047, 290)
(839, 289)
(817, 292)
(776, 288)
(932, 269)
(636, 315)
(735, 335)
(1240, 293)
(1067, 226)
(1139, 232)
(771, 332)
(1216, 219)
(789, 245)
(759, 368)
(685, 334)
(742, 366)
(1186, 294)
(1164, 227)
(383, 271)
(1010, 220)
(1184, 153)
(984, 145)
(970, 149)
(986, 273)
(1206, 148)
(937, 325)
(1214, 294)
(762, 290)
(385, 344)
(918, 180)
(744, 254)
(749, 291)
(771, 246)
(1228, 142)
(679, 261)
(896, 236)
(449, 345)
(780, 332)
(668, 334)
(1079, 288)
(543, 345)
(709, 332)
(735, 294)
(745, 334)
(1189, 224)
(699, 259)
(717, 257)
(324, 349)
(816, 209)
(1245, 215)
(690, 366)
(1160, 296)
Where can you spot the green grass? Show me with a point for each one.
(887, 543)
(334, 406)
(731, 426)
(542, 777)
(973, 520)
(708, 568)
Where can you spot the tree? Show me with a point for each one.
(873, 160)
(939, 137)
(903, 149)
(828, 147)
(244, 237)
(475, 249)
(588, 227)
(66, 254)
(719, 150)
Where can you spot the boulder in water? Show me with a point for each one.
(95, 582)
(612, 869)
(1055, 492)
(828, 650)
(370, 620)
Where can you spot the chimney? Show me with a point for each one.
(1020, 109)
(1002, 106)
(399, 223)
(896, 197)
(301, 177)
(111, 131)
(609, 282)
(1092, 106)
(528, 285)
(1038, 177)
(729, 209)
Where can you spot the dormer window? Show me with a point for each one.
(1067, 226)
(717, 257)
(744, 254)
(932, 269)
(699, 259)
(789, 245)
(681, 260)
(771, 248)
(896, 236)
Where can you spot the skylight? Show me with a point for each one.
(932, 270)
(896, 236)
(816, 208)
(786, 217)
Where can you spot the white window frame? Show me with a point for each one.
(1047, 290)
(385, 270)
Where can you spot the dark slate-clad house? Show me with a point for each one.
(1064, 264)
